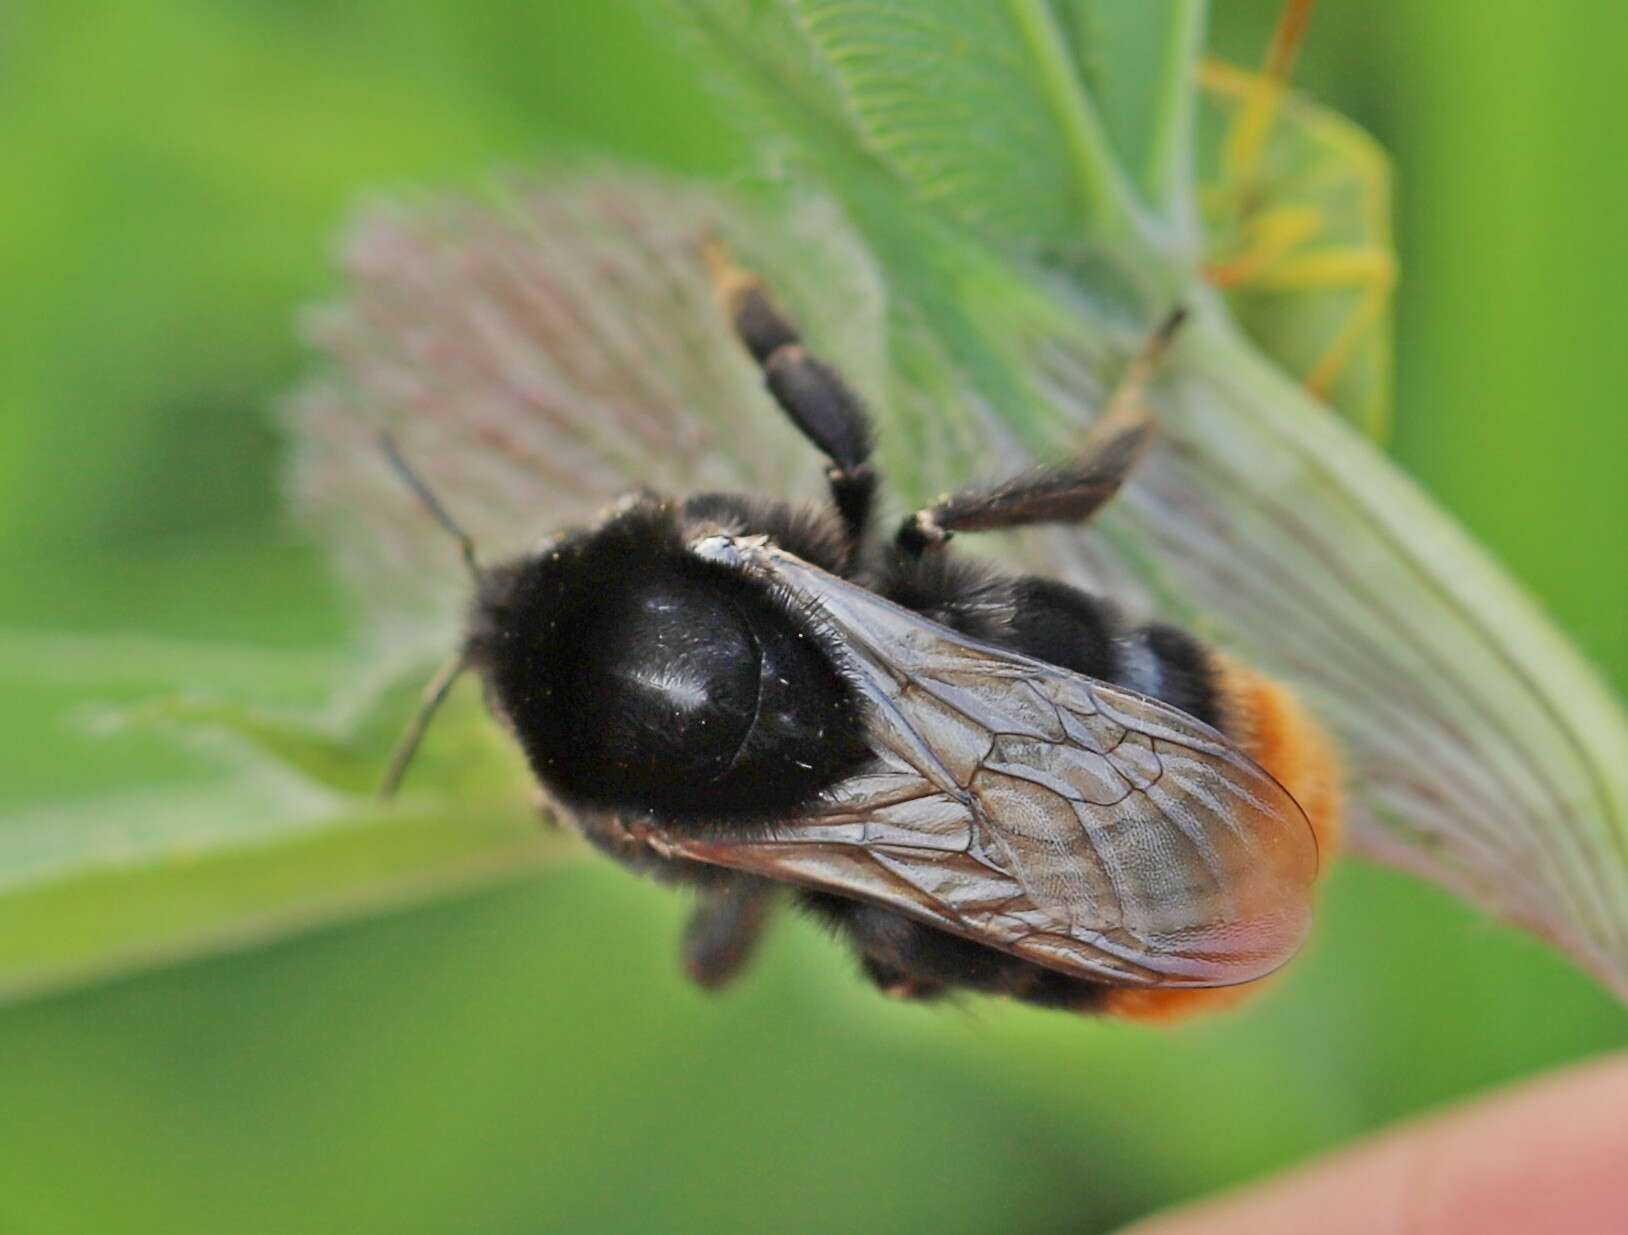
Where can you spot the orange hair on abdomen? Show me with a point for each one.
(1268, 720)
(1272, 725)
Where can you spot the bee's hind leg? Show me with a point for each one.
(897, 984)
(1070, 492)
(724, 929)
(909, 960)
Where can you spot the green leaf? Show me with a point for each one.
(1138, 61)
(979, 108)
(230, 879)
(267, 826)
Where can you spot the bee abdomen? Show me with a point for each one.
(1273, 726)
(1263, 716)
(1172, 666)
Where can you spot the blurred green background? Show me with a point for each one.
(528, 1059)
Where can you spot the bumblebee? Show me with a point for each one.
(985, 782)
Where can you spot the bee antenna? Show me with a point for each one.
(421, 490)
(435, 694)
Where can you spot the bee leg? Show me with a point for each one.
(921, 964)
(1066, 493)
(897, 984)
(724, 930)
(909, 960)
(811, 392)
(889, 945)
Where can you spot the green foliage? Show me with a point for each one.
(977, 108)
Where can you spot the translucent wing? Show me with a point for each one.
(1057, 817)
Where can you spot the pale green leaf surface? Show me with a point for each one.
(1137, 60)
(227, 872)
(971, 105)
(263, 822)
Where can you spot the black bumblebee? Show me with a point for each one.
(986, 782)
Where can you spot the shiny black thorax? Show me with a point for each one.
(641, 680)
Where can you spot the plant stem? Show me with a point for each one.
(1168, 177)
(1109, 200)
